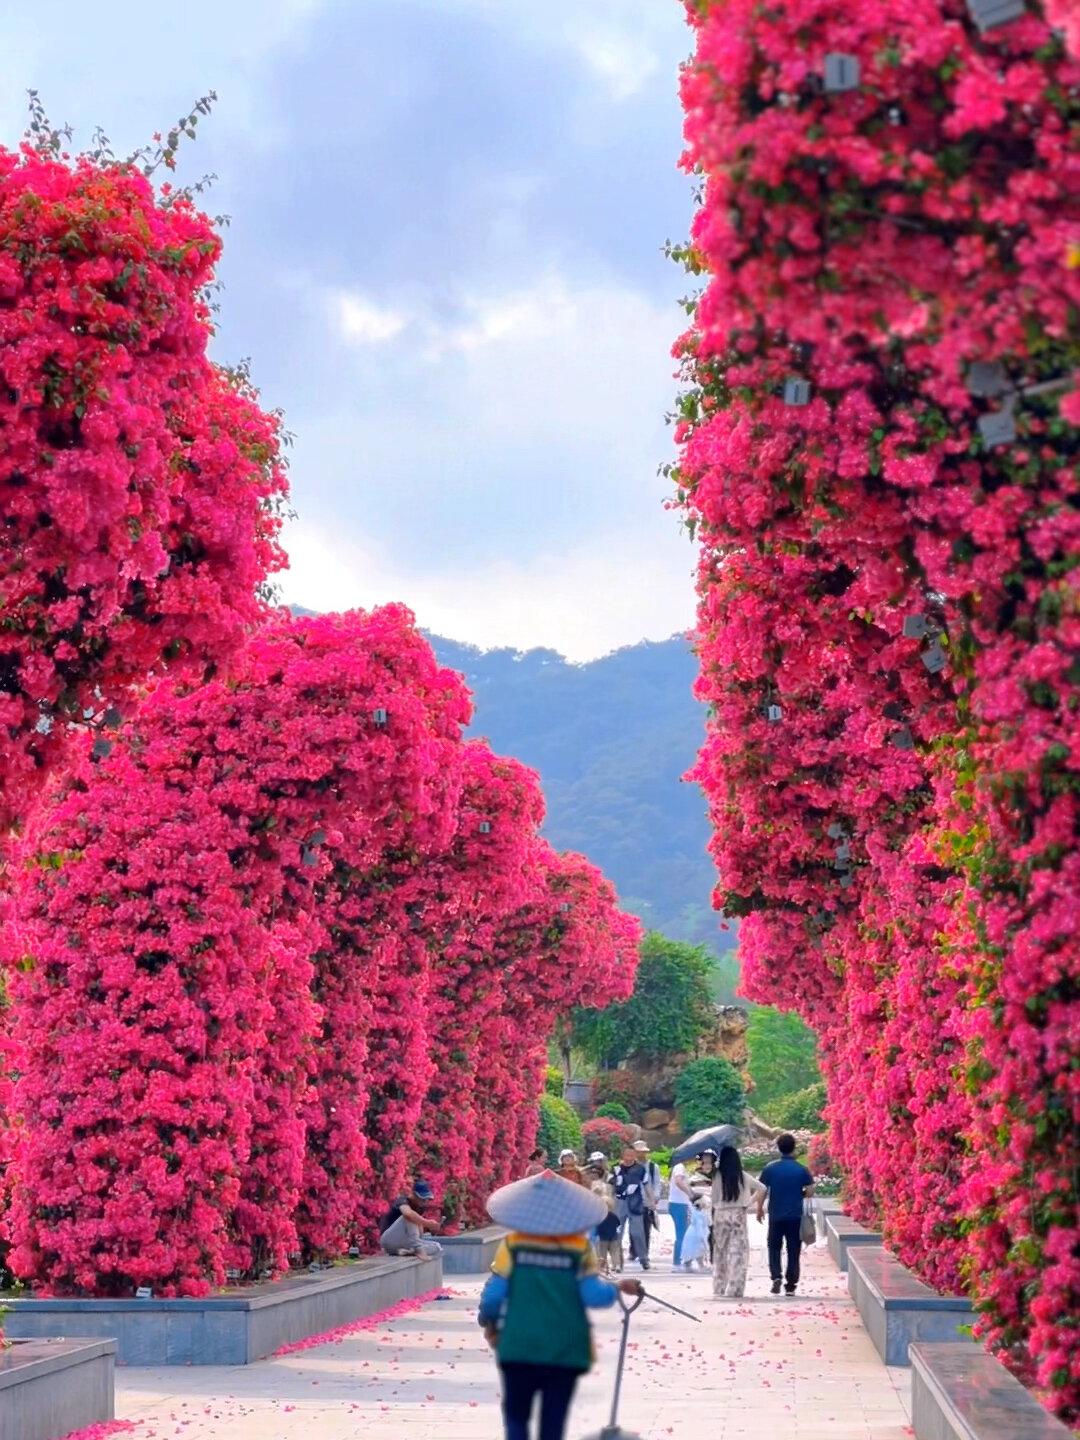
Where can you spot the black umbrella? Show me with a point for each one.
(714, 1138)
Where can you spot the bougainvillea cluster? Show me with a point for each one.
(140, 481)
(293, 939)
(879, 457)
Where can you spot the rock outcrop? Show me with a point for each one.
(652, 1082)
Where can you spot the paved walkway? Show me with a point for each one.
(801, 1368)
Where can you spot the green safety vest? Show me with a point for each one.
(545, 1322)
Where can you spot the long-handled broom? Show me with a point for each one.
(613, 1430)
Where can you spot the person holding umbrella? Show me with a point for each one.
(533, 1308)
(704, 1147)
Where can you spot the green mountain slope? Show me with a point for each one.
(611, 740)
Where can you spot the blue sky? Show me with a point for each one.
(445, 264)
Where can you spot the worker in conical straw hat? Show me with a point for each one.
(533, 1307)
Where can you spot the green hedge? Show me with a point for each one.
(560, 1128)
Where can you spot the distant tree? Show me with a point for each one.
(559, 1128)
(669, 1011)
(800, 1110)
(783, 1054)
(724, 980)
(709, 1091)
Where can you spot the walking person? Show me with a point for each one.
(403, 1228)
(733, 1193)
(788, 1184)
(654, 1185)
(679, 1198)
(596, 1168)
(569, 1168)
(534, 1305)
(628, 1179)
(537, 1163)
(606, 1237)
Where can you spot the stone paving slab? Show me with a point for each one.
(802, 1368)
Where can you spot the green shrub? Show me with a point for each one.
(709, 1091)
(560, 1128)
(553, 1082)
(613, 1110)
(800, 1111)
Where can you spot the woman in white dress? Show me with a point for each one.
(733, 1193)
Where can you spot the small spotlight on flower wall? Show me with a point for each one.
(841, 73)
(999, 426)
(989, 14)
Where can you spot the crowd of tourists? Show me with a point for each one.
(574, 1226)
(710, 1206)
(570, 1227)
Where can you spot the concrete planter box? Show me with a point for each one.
(472, 1252)
(577, 1093)
(842, 1234)
(897, 1308)
(236, 1328)
(959, 1392)
(823, 1207)
(50, 1387)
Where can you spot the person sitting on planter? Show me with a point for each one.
(534, 1305)
(402, 1229)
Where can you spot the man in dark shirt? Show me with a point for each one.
(788, 1184)
(628, 1181)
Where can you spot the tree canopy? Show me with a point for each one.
(669, 1011)
(783, 1054)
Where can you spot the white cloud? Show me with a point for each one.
(533, 313)
(622, 59)
(623, 42)
(133, 72)
(493, 465)
(584, 603)
(362, 323)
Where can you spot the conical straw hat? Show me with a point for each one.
(546, 1204)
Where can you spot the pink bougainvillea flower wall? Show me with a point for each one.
(879, 460)
(141, 482)
(292, 940)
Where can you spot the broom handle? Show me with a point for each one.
(627, 1310)
(648, 1295)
